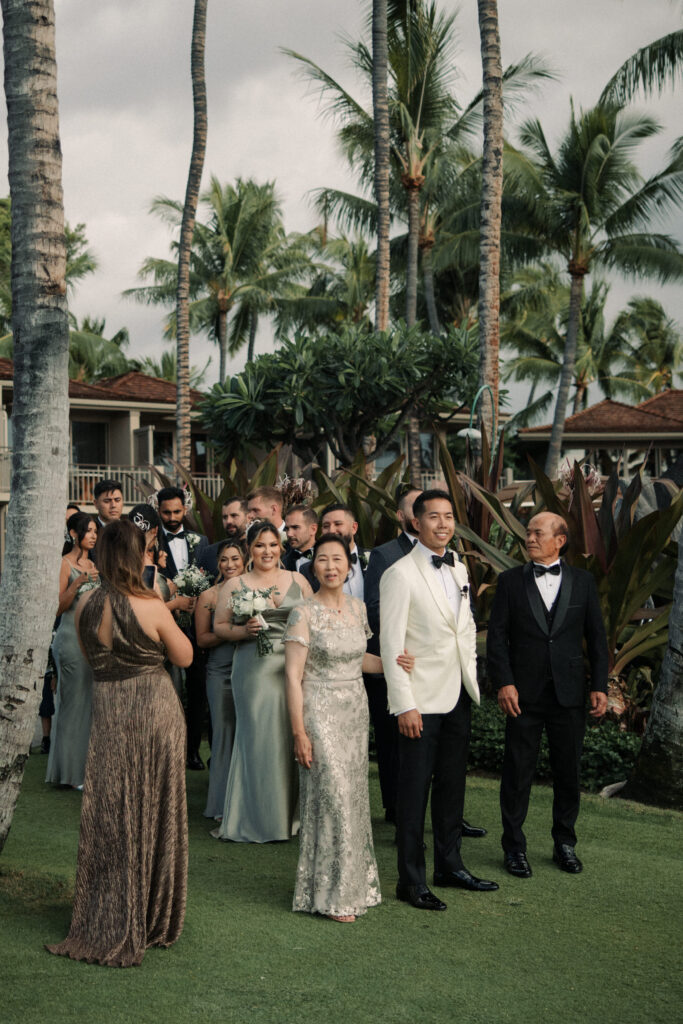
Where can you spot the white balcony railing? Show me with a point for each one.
(82, 480)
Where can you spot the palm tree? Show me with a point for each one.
(40, 326)
(194, 180)
(590, 205)
(166, 368)
(380, 108)
(652, 352)
(650, 68)
(241, 261)
(491, 207)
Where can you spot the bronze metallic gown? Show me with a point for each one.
(132, 854)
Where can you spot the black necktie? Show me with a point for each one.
(354, 558)
(541, 570)
(447, 559)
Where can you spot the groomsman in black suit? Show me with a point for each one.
(185, 547)
(338, 518)
(234, 517)
(541, 615)
(301, 526)
(384, 724)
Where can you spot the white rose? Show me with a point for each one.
(260, 604)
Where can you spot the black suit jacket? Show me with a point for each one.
(290, 557)
(195, 553)
(307, 570)
(523, 651)
(380, 560)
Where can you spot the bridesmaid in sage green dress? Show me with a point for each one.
(262, 791)
(231, 558)
(73, 701)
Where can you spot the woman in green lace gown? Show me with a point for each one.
(261, 795)
(325, 657)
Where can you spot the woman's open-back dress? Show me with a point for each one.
(132, 854)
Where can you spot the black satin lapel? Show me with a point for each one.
(534, 597)
(564, 598)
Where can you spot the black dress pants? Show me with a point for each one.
(565, 728)
(386, 739)
(195, 700)
(438, 759)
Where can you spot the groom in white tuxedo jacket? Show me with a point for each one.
(426, 610)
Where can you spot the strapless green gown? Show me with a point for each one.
(261, 800)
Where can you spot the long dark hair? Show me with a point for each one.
(120, 554)
(259, 527)
(79, 522)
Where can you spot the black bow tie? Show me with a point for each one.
(447, 559)
(354, 558)
(541, 570)
(180, 535)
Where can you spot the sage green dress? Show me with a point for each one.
(73, 703)
(261, 800)
(222, 711)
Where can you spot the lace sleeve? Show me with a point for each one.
(296, 630)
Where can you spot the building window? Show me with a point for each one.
(163, 447)
(199, 455)
(88, 443)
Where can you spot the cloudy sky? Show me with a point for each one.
(126, 111)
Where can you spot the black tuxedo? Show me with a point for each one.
(195, 674)
(194, 553)
(540, 652)
(384, 724)
(291, 556)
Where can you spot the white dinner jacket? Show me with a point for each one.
(417, 615)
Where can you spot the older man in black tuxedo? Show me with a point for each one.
(541, 615)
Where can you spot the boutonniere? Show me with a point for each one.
(465, 591)
(192, 541)
(363, 558)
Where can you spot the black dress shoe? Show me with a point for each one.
(419, 896)
(516, 864)
(564, 855)
(463, 880)
(195, 763)
(472, 831)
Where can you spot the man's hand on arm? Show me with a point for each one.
(508, 701)
(410, 724)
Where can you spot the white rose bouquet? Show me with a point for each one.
(247, 604)
(190, 582)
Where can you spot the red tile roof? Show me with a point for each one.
(667, 403)
(127, 387)
(609, 416)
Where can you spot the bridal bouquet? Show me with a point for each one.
(247, 604)
(190, 582)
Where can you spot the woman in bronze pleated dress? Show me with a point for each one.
(132, 853)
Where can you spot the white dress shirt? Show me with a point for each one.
(178, 548)
(549, 585)
(355, 584)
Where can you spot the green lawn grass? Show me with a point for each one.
(603, 946)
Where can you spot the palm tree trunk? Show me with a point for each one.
(658, 777)
(253, 324)
(380, 104)
(413, 190)
(40, 415)
(567, 372)
(428, 281)
(580, 396)
(222, 344)
(490, 208)
(414, 448)
(194, 179)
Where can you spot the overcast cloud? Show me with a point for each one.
(126, 112)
